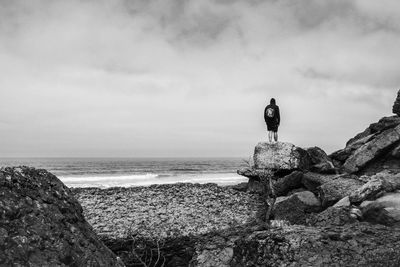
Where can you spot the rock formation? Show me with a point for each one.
(42, 224)
(384, 210)
(373, 150)
(333, 191)
(280, 156)
(288, 183)
(352, 244)
(312, 181)
(376, 186)
(295, 208)
(396, 106)
(320, 161)
(365, 170)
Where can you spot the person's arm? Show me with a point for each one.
(278, 115)
(265, 114)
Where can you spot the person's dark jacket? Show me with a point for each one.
(277, 117)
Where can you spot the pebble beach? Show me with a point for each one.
(165, 211)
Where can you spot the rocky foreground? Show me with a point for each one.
(42, 224)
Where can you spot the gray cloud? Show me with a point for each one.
(138, 71)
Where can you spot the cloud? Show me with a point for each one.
(150, 70)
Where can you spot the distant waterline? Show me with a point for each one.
(126, 172)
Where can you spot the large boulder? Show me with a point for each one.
(288, 183)
(376, 186)
(297, 207)
(372, 150)
(320, 161)
(384, 210)
(396, 105)
(312, 180)
(42, 224)
(333, 191)
(340, 156)
(280, 156)
(332, 216)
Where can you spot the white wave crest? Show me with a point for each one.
(149, 179)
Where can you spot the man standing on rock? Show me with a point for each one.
(272, 119)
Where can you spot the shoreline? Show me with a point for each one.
(104, 182)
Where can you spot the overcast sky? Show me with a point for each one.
(191, 78)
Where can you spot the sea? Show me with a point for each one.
(128, 172)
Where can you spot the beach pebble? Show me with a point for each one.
(161, 211)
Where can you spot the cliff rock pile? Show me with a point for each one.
(348, 245)
(375, 149)
(42, 224)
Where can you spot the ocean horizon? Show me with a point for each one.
(139, 171)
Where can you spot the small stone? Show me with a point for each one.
(344, 202)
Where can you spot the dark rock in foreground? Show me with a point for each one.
(42, 224)
(333, 216)
(349, 245)
(295, 208)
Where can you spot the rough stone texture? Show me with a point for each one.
(369, 190)
(280, 156)
(396, 152)
(344, 202)
(376, 186)
(296, 208)
(372, 130)
(313, 180)
(42, 224)
(357, 244)
(240, 187)
(166, 211)
(342, 155)
(338, 216)
(335, 190)
(254, 186)
(384, 210)
(350, 245)
(396, 105)
(215, 257)
(288, 183)
(249, 173)
(385, 162)
(372, 150)
(320, 161)
(382, 159)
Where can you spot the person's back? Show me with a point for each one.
(272, 119)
